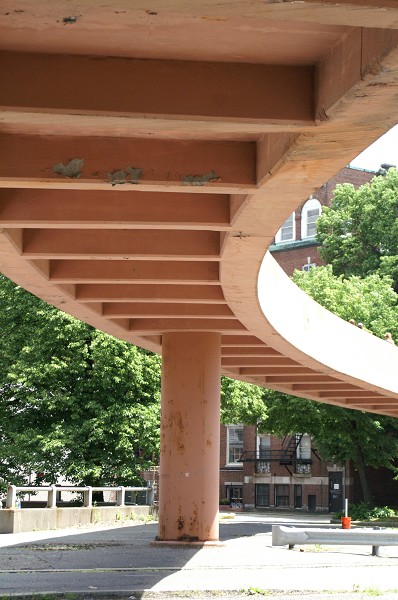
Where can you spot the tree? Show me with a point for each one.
(73, 400)
(341, 434)
(370, 300)
(79, 403)
(241, 402)
(359, 232)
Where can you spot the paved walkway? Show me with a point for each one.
(121, 559)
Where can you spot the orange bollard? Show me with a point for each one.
(345, 522)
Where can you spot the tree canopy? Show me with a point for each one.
(78, 403)
(242, 402)
(339, 434)
(342, 434)
(359, 232)
(73, 400)
(370, 300)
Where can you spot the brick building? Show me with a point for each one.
(262, 471)
(295, 246)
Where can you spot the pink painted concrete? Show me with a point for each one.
(190, 437)
(233, 113)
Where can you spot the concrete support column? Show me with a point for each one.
(190, 437)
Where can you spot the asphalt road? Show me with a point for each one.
(121, 562)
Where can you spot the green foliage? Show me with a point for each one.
(359, 232)
(370, 300)
(364, 512)
(241, 402)
(73, 400)
(341, 434)
(224, 502)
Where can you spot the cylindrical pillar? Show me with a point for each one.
(190, 437)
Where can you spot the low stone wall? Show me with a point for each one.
(16, 520)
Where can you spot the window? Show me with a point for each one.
(303, 450)
(308, 266)
(263, 453)
(282, 496)
(262, 494)
(234, 444)
(298, 496)
(303, 454)
(309, 215)
(234, 495)
(263, 445)
(287, 233)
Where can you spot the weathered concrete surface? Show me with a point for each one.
(121, 560)
(16, 520)
(143, 177)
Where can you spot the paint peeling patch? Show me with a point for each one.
(128, 175)
(70, 20)
(201, 179)
(72, 169)
(180, 523)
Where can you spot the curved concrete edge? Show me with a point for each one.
(323, 336)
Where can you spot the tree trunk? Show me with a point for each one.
(361, 468)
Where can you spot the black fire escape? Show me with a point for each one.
(288, 456)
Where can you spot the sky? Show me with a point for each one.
(384, 150)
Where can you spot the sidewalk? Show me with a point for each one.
(120, 559)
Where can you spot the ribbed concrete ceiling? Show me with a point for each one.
(148, 155)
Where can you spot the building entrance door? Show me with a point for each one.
(335, 491)
(234, 495)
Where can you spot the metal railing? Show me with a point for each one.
(376, 537)
(86, 490)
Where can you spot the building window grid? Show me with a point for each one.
(262, 491)
(303, 453)
(310, 213)
(312, 217)
(298, 496)
(234, 444)
(234, 495)
(287, 233)
(282, 495)
(263, 453)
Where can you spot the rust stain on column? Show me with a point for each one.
(188, 503)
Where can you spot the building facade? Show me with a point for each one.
(295, 246)
(260, 471)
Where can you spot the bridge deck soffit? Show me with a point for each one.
(143, 177)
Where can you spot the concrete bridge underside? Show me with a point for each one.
(149, 152)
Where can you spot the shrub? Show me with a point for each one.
(364, 512)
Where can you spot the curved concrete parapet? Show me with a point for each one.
(320, 335)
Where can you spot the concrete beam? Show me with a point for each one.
(122, 244)
(21, 208)
(120, 163)
(154, 293)
(129, 272)
(125, 86)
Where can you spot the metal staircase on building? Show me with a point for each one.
(286, 455)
